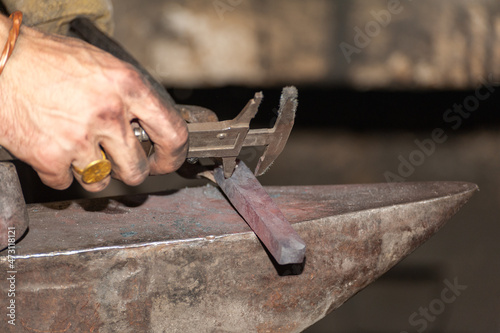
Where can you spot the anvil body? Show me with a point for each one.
(185, 261)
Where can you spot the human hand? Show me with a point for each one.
(62, 100)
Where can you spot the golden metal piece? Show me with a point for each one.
(95, 171)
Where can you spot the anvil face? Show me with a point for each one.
(186, 261)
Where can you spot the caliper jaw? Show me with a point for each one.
(225, 139)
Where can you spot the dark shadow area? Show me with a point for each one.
(340, 108)
(415, 273)
(101, 205)
(285, 270)
(106, 205)
(35, 191)
(3, 10)
(58, 205)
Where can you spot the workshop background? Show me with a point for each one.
(376, 79)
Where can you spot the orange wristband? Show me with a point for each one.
(17, 19)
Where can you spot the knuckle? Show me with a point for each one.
(132, 83)
(129, 76)
(176, 144)
(135, 176)
(135, 179)
(178, 151)
(80, 139)
(179, 138)
(97, 187)
(112, 111)
(60, 184)
(177, 163)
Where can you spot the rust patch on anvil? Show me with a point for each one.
(223, 281)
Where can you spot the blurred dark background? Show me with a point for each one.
(356, 120)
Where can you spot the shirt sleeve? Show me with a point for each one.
(53, 16)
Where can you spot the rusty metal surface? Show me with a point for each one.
(258, 209)
(13, 213)
(187, 262)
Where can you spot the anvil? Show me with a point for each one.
(185, 261)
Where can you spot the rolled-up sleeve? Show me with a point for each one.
(53, 16)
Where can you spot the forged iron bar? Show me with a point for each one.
(262, 215)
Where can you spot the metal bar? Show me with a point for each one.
(262, 215)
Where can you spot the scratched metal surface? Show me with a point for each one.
(199, 212)
(189, 263)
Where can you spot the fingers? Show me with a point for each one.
(171, 147)
(64, 179)
(129, 162)
(135, 100)
(165, 127)
(109, 128)
(59, 175)
(58, 181)
(91, 167)
(93, 174)
(51, 164)
(115, 135)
